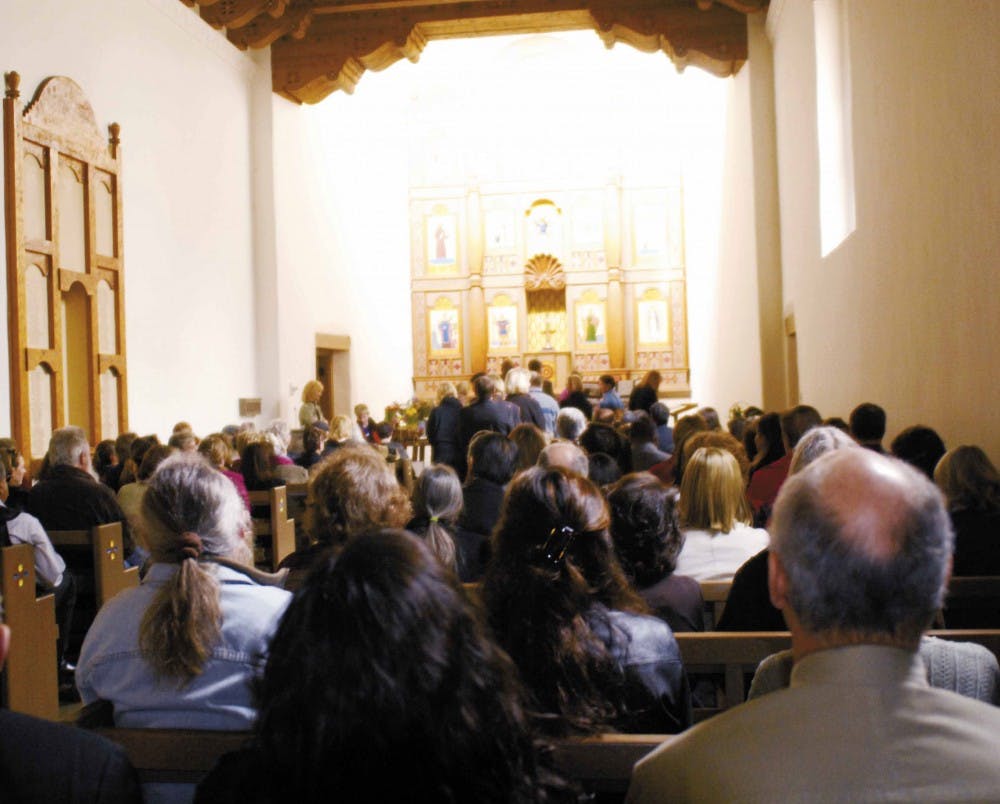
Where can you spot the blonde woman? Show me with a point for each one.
(180, 650)
(310, 411)
(715, 518)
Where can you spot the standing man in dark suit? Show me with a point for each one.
(485, 413)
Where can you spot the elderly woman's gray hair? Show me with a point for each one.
(186, 495)
(818, 441)
(570, 423)
(518, 381)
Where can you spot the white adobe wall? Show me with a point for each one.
(183, 98)
(906, 312)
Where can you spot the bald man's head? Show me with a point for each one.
(565, 454)
(864, 542)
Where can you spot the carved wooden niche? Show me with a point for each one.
(65, 288)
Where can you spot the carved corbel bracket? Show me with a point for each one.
(334, 57)
(687, 34)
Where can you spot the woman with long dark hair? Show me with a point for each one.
(648, 539)
(382, 685)
(768, 442)
(557, 599)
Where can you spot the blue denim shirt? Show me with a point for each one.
(549, 406)
(112, 668)
(612, 400)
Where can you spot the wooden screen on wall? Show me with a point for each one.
(65, 289)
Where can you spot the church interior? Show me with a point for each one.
(848, 253)
(210, 204)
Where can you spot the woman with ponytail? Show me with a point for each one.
(181, 650)
(559, 604)
(437, 502)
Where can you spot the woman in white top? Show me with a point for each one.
(715, 518)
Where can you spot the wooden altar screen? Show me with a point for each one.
(65, 290)
(589, 279)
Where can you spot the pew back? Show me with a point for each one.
(274, 533)
(715, 594)
(32, 685)
(107, 545)
(602, 763)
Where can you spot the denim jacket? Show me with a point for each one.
(111, 667)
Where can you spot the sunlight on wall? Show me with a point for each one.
(559, 110)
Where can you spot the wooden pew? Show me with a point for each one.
(715, 594)
(602, 763)
(111, 575)
(735, 655)
(32, 683)
(732, 655)
(174, 755)
(274, 536)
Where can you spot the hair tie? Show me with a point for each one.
(434, 519)
(190, 545)
(555, 547)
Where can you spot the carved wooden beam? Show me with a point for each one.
(338, 47)
(320, 46)
(237, 13)
(266, 30)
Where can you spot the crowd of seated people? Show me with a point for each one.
(587, 545)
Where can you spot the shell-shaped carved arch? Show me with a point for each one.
(544, 272)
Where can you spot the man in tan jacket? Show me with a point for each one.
(860, 556)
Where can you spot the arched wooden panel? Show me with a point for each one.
(72, 216)
(107, 323)
(109, 401)
(76, 358)
(65, 277)
(41, 393)
(36, 304)
(34, 192)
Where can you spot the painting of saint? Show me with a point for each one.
(650, 230)
(444, 331)
(441, 246)
(503, 327)
(590, 330)
(653, 321)
(499, 224)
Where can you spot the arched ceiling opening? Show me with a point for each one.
(322, 46)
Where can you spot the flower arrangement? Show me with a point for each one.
(409, 413)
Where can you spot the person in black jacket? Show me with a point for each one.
(442, 428)
(646, 393)
(518, 384)
(486, 413)
(492, 463)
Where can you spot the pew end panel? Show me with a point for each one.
(274, 534)
(32, 683)
(106, 542)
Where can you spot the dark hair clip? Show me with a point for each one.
(555, 547)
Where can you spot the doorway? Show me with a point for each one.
(333, 370)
